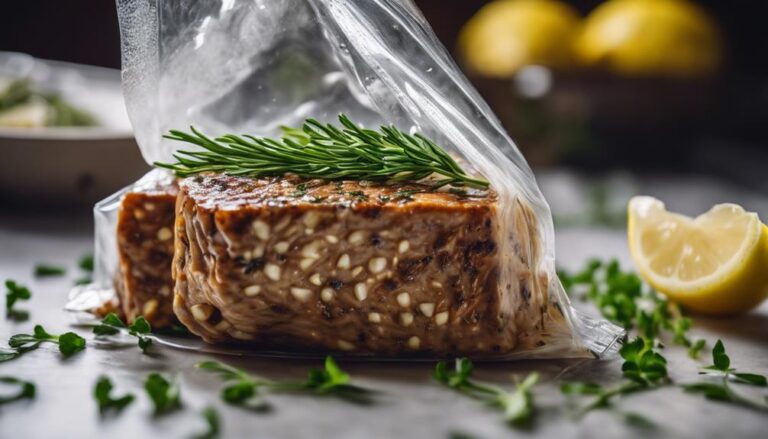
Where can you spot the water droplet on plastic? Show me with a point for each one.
(429, 70)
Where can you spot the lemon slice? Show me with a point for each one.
(716, 263)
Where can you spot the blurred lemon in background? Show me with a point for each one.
(507, 35)
(716, 263)
(671, 38)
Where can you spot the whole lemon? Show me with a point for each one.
(506, 35)
(661, 38)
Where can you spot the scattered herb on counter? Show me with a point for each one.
(164, 394)
(101, 392)
(86, 265)
(243, 389)
(69, 343)
(517, 405)
(140, 328)
(722, 390)
(326, 151)
(623, 298)
(8, 354)
(644, 369)
(45, 270)
(26, 389)
(211, 417)
(722, 366)
(15, 292)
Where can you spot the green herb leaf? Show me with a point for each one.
(327, 379)
(243, 389)
(642, 364)
(44, 270)
(101, 392)
(695, 350)
(329, 152)
(71, 343)
(112, 324)
(165, 395)
(750, 378)
(14, 293)
(86, 263)
(26, 389)
(83, 280)
(623, 298)
(720, 358)
(517, 406)
(211, 417)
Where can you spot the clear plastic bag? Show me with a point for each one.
(252, 66)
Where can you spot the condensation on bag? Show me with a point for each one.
(252, 66)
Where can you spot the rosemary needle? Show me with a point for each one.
(324, 151)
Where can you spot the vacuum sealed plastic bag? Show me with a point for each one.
(449, 271)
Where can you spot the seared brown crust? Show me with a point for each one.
(145, 246)
(352, 266)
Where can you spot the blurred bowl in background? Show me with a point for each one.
(68, 166)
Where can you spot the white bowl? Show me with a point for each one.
(72, 166)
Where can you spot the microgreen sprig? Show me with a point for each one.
(623, 298)
(211, 418)
(102, 391)
(643, 368)
(243, 389)
(26, 389)
(517, 405)
(15, 292)
(325, 151)
(140, 328)
(69, 343)
(721, 390)
(165, 394)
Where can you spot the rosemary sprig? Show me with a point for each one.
(323, 151)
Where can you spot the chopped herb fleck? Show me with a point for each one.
(359, 195)
(404, 195)
(301, 190)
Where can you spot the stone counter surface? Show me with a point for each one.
(408, 403)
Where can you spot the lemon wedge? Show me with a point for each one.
(716, 263)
